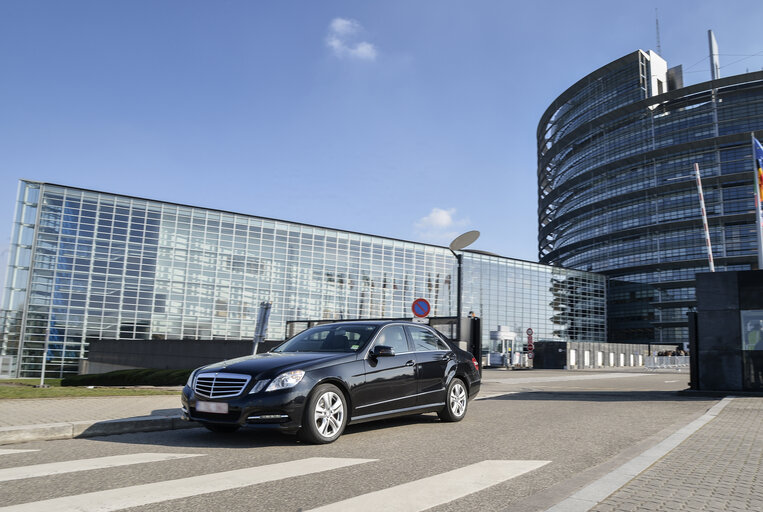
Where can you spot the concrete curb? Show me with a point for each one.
(51, 431)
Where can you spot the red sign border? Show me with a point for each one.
(413, 308)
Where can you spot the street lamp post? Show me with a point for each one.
(458, 244)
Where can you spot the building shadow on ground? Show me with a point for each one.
(596, 396)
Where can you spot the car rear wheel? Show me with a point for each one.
(456, 401)
(222, 428)
(325, 415)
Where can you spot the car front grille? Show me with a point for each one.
(220, 385)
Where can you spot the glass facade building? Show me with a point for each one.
(87, 265)
(616, 187)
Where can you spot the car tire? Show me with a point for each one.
(325, 415)
(456, 401)
(222, 428)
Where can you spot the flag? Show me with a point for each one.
(758, 151)
(757, 155)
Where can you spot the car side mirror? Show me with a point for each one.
(382, 351)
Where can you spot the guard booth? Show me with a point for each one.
(503, 351)
(726, 332)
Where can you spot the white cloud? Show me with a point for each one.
(344, 27)
(440, 226)
(343, 39)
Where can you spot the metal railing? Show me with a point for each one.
(660, 362)
(7, 366)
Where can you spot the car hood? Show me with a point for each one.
(270, 364)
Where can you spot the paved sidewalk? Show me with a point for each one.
(58, 410)
(719, 467)
(64, 418)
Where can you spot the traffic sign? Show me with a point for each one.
(529, 331)
(421, 308)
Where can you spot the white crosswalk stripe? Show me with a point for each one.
(57, 468)
(146, 494)
(11, 452)
(429, 492)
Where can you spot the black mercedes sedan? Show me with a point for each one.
(334, 374)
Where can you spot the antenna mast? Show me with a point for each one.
(657, 23)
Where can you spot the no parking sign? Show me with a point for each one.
(421, 308)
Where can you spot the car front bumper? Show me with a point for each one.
(281, 410)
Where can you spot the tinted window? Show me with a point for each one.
(423, 339)
(330, 338)
(393, 336)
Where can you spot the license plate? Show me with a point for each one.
(213, 407)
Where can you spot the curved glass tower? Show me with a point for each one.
(616, 187)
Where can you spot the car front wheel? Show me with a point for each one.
(455, 401)
(325, 415)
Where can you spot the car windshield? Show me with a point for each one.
(330, 338)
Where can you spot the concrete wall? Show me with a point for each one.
(108, 355)
(581, 355)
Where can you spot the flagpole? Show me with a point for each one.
(704, 218)
(758, 212)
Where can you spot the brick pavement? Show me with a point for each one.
(54, 410)
(718, 468)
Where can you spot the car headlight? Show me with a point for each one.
(189, 383)
(286, 380)
(259, 386)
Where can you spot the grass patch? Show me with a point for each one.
(15, 392)
(119, 383)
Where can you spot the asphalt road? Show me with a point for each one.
(574, 425)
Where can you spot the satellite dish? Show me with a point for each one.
(465, 240)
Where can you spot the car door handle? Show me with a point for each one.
(447, 356)
(410, 363)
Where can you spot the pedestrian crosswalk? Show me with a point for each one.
(413, 496)
(11, 452)
(438, 489)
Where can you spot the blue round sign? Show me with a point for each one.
(421, 308)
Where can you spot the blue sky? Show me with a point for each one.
(409, 119)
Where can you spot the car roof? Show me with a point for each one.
(368, 322)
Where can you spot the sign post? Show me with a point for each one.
(530, 346)
(44, 360)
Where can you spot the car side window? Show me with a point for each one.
(393, 336)
(425, 340)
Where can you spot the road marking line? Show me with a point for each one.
(596, 492)
(71, 466)
(146, 494)
(11, 452)
(438, 489)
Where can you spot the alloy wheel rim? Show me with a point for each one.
(329, 414)
(458, 399)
